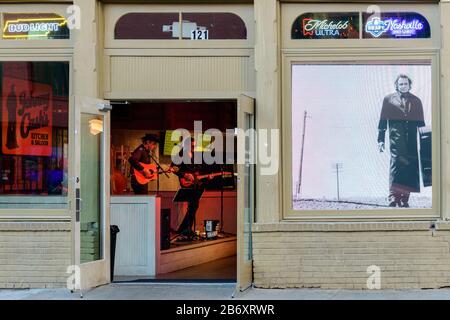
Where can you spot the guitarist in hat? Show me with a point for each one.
(142, 154)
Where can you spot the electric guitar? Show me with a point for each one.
(151, 167)
(189, 179)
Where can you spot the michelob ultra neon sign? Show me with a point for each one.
(31, 26)
(326, 25)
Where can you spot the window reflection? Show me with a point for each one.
(34, 135)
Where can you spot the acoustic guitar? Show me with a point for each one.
(189, 179)
(151, 167)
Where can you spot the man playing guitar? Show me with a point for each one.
(139, 160)
(184, 171)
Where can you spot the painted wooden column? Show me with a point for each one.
(268, 112)
(445, 107)
(86, 54)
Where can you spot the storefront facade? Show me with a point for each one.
(324, 212)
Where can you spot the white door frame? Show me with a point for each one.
(246, 106)
(91, 274)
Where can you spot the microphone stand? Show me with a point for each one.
(221, 201)
(159, 169)
(159, 166)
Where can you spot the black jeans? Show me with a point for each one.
(189, 219)
(137, 187)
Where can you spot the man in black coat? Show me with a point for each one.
(188, 166)
(402, 114)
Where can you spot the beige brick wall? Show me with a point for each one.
(34, 255)
(336, 256)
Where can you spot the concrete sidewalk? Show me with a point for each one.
(217, 292)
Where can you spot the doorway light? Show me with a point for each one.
(95, 126)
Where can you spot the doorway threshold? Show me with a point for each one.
(176, 281)
(217, 271)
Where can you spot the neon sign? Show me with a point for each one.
(398, 28)
(347, 25)
(319, 28)
(26, 26)
(326, 25)
(396, 25)
(34, 26)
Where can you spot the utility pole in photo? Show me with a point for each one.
(301, 155)
(337, 166)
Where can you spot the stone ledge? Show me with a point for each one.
(349, 226)
(443, 225)
(35, 226)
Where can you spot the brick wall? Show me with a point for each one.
(34, 255)
(336, 256)
(304, 255)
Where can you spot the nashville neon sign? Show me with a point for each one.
(313, 27)
(396, 27)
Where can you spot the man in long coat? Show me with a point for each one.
(402, 114)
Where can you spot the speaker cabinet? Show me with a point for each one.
(165, 229)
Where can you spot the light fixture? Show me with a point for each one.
(95, 126)
(121, 102)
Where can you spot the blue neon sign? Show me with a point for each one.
(396, 25)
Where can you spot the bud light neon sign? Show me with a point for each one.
(38, 26)
(396, 25)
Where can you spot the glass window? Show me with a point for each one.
(91, 137)
(342, 25)
(361, 136)
(220, 25)
(35, 26)
(34, 135)
(194, 25)
(148, 25)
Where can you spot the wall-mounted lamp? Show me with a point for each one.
(95, 126)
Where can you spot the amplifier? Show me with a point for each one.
(165, 229)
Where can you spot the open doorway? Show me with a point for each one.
(168, 246)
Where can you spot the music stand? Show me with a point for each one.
(183, 195)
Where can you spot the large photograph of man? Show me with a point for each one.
(361, 136)
(402, 115)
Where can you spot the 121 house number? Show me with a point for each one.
(199, 35)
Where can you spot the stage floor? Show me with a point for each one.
(221, 270)
(176, 243)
